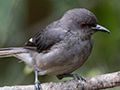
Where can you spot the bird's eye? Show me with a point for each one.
(82, 25)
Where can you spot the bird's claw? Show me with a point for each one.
(79, 79)
(37, 82)
(37, 85)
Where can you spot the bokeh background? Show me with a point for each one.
(21, 19)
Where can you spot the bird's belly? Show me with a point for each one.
(66, 67)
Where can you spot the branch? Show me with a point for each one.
(91, 83)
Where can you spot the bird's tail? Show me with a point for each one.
(20, 53)
(9, 52)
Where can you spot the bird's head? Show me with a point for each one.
(81, 20)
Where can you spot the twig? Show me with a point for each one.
(92, 83)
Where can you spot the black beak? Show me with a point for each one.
(101, 28)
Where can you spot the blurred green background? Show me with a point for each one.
(21, 19)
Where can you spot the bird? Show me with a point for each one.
(61, 48)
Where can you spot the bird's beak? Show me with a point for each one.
(101, 28)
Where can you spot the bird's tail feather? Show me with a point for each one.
(9, 52)
(20, 53)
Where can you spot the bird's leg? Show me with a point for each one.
(37, 82)
(75, 76)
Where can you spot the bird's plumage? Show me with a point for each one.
(63, 46)
(44, 39)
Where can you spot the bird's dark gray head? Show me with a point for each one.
(81, 19)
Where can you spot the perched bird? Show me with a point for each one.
(60, 48)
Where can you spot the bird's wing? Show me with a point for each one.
(45, 39)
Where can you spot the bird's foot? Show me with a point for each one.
(37, 85)
(37, 82)
(79, 79)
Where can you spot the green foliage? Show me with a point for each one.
(21, 19)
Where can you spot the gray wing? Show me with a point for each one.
(45, 39)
